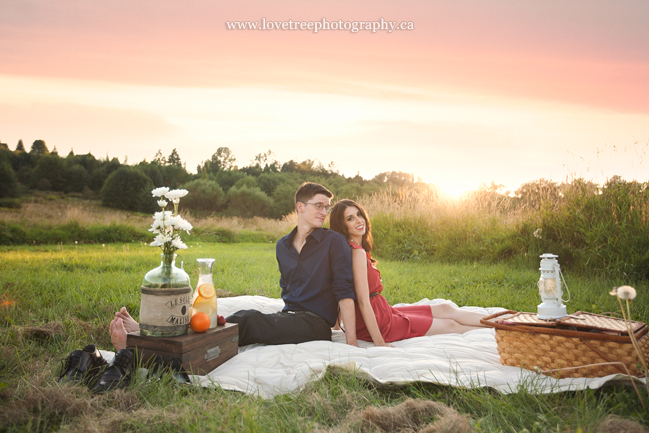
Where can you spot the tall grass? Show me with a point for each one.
(593, 229)
(604, 230)
(57, 221)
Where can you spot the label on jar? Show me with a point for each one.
(164, 309)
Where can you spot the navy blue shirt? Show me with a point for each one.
(319, 276)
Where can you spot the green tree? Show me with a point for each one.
(159, 159)
(534, 194)
(20, 147)
(153, 171)
(222, 159)
(49, 173)
(395, 178)
(227, 178)
(130, 189)
(76, 178)
(174, 175)
(8, 180)
(100, 174)
(248, 202)
(88, 161)
(268, 182)
(247, 181)
(205, 196)
(284, 199)
(174, 159)
(39, 148)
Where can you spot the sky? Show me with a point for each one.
(469, 92)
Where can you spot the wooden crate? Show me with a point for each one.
(199, 353)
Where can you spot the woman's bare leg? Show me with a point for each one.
(448, 326)
(463, 317)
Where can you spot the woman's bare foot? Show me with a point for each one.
(129, 323)
(118, 334)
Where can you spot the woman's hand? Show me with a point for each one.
(384, 344)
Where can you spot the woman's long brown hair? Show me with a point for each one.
(337, 222)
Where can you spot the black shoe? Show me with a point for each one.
(154, 368)
(118, 375)
(82, 365)
(178, 372)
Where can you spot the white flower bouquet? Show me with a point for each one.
(165, 313)
(167, 225)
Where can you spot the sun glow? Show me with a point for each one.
(451, 140)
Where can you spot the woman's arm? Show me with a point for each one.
(362, 290)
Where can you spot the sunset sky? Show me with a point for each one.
(503, 90)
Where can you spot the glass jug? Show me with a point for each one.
(165, 300)
(204, 299)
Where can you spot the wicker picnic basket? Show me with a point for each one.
(580, 339)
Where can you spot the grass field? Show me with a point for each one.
(55, 299)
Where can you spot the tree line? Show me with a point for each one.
(264, 188)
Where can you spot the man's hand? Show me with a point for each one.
(349, 320)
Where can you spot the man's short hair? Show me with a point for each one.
(307, 190)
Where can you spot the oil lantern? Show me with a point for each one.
(550, 289)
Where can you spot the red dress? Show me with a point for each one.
(394, 323)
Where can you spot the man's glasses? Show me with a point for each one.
(320, 206)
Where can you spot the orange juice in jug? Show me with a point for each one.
(204, 299)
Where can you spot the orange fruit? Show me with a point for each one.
(206, 291)
(200, 322)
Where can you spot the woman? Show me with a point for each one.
(376, 320)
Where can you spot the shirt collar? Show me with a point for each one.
(317, 234)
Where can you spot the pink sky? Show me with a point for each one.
(474, 88)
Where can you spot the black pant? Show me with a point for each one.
(279, 328)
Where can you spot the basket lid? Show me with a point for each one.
(520, 318)
(580, 320)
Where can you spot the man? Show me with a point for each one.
(316, 280)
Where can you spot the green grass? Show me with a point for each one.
(71, 293)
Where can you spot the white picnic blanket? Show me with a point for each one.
(464, 360)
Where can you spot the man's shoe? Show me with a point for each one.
(178, 372)
(117, 375)
(82, 365)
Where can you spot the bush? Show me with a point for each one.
(247, 181)
(227, 178)
(128, 188)
(605, 230)
(8, 180)
(283, 200)
(13, 234)
(77, 178)
(204, 196)
(269, 181)
(248, 202)
(10, 203)
(50, 168)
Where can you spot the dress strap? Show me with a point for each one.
(355, 245)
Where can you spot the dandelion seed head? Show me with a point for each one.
(626, 293)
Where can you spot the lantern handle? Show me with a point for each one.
(565, 284)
